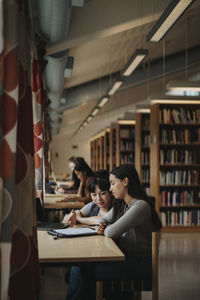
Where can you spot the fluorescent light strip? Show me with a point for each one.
(103, 101)
(183, 86)
(174, 101)
(143, 110)
(95, 111)
(126, 122)
(89, 118)
(115, 87)
(134, 61)
(169, 21)
(134, 65)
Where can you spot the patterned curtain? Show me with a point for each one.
(19, 256)
(37, 129)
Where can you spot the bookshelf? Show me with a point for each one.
(142, 148)
(125, 142)
(107, 149)
(92, 154)
(116, 145)
(113, 147)
(175, 165)
(99, 145)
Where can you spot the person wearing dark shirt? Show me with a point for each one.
(73, 184)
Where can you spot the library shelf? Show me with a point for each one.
(142, 148)
(175, 165)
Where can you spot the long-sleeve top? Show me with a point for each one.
(90, 209)
(133, 230)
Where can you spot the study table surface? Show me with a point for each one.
(53, 201)
(77, 249)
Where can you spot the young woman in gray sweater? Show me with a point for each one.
(130, 224)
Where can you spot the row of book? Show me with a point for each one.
(146, 175)
(180, 115)
(145, 157)
(179, 177)
(127, 133)
(174, 156)
(180, 198)
(145, 121)
(146, 140)
(180, 136)
(180, 218)
(127, 158)
(127, 145)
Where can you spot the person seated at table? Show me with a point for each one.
(73, 184)
(85, 175)
(101, 202)
(130, 224)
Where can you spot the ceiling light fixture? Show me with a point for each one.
(126, 122)
(103, 101)
(115, 87)
(95, 111)
(184, 86)
(169, 17)
(181, 100)
(134, 61)
(89, 118)
(143, 110)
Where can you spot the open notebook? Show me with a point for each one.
(72, 232)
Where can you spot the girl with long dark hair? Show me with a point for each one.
(85, 174)
(101, 203)
(130, 224)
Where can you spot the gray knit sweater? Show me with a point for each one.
(133, 230)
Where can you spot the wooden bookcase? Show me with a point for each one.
(92, 154)
(114, 146)
(125, 142)
(99, 146)
(107, 149)
(142, 148)
(175, 165)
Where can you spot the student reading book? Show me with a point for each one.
(101, 203)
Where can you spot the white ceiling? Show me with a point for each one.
(103, 35)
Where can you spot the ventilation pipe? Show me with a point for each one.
(54, 77)
(54, 19)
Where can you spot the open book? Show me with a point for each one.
(72, 232)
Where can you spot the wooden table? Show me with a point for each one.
(78, 249)
(53, 201)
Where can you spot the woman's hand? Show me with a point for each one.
(72, 218)
(78, 215)
(65, 220)
(100, 229)
(59, 190)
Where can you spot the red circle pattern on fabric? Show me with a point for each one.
(38, 129)
(12, 67)
(9, 108)
(6, 167)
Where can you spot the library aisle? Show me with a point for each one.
(179, 269)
